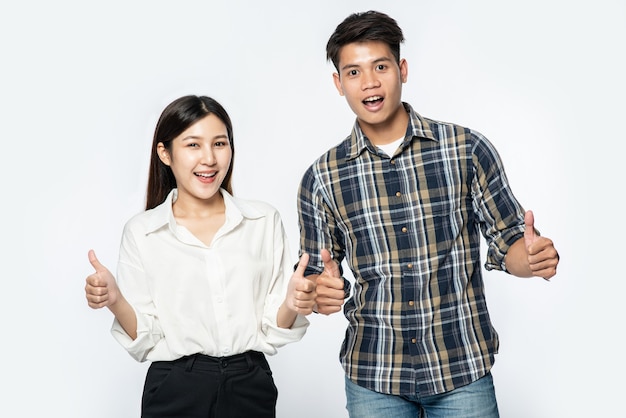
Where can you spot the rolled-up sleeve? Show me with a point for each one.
(133, 284)
(501, 215)
(282, 270)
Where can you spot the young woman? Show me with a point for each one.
(205, 284)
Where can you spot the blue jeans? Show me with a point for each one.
(476, 400)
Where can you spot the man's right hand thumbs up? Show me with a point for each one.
(330, 293)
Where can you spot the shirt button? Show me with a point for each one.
(409, 266)
(226, 350)
(392, 161)
(404, 229)
(411, 303)
(398, 194)
(413, 340)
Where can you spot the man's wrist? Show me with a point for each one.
(347, 288)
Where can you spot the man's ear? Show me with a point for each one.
(404, 70)
(337, 81)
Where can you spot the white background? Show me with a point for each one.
(82, 85)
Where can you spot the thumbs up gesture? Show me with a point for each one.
(301, 291)
(101, 289)
(542, 256)
(330, 292)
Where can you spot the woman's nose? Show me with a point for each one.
(208, 157)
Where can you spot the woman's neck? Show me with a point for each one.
(187, 206)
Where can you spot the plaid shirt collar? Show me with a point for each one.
(417, 127)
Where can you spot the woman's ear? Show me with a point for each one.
(164, 154)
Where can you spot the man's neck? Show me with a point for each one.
(389, 131)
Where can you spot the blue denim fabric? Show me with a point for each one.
(476, 400)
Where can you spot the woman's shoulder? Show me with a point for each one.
(254, 204)
(147, 221)
(255, 208)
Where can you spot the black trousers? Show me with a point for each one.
(210, 387)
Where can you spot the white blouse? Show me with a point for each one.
(218, 300)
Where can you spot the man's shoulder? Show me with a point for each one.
(439, 123)
(337, 151)
(446, 130)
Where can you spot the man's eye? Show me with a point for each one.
(381, 66)
(352, 72)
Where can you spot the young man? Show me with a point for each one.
(404, 199)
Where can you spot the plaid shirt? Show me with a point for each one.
(409, 228)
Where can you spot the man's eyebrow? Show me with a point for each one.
(347, 66)
(376, 61)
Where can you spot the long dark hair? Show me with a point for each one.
(176, 117)
(362, 27)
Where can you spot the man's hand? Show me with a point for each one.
(542, 256)
(330, 293)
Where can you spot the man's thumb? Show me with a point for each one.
(330, 265)
(529, 233)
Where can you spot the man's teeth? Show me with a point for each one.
(372, 99)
